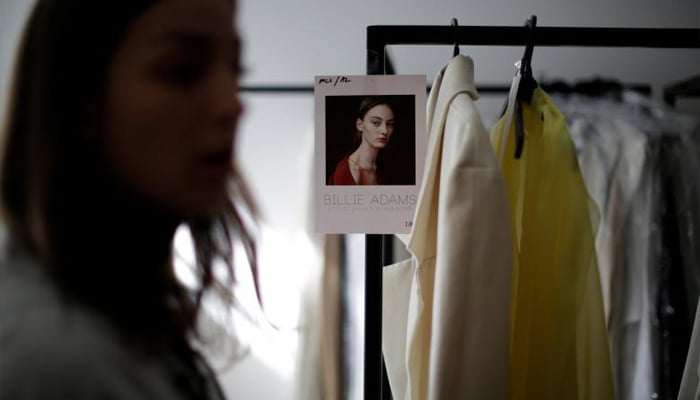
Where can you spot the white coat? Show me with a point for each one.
(446, 309)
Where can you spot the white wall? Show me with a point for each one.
(13, 14)
(292, 41)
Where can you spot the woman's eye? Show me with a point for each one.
(183, 73)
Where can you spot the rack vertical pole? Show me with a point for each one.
(373, 317)
(374, 260)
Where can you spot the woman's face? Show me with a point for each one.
(377, 126)
(172, 106)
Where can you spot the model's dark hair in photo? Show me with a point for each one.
(367, 104)
(58, 198)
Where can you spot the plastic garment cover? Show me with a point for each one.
(684, 159)
(618, 163)
(640, 165)
(688, 190)
(559, 344)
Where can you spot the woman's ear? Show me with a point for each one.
(358, 125)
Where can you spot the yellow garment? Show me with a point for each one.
(559, 346)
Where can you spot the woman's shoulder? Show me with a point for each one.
(344, 162)
(42, 335)
(53, 348)
(27, 296)
(341, 174)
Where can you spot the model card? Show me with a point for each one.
(370, 150)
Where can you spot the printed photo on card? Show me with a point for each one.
(370, 145)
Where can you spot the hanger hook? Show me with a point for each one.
(455, 25)
(527, 85)
(530, 25)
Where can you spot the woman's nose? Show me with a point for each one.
(226, 102)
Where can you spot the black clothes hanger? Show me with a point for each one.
(527, 86)
(455, 25)
(527, 82)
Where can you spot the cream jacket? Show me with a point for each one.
(446, 308)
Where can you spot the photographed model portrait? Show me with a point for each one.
(370, 140)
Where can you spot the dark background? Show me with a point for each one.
(397, 160)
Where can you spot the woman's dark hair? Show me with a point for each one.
(367, 104)
(58, 198)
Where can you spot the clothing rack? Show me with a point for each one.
(310, 89)
(491, 89)
(378, 37)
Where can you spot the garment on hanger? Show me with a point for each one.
(682, 162)
(445, 309)
(671, 303)
(684, 154)
(683, 168)
(678, 268)
(618, 163)
(640, 165)
(559, 345)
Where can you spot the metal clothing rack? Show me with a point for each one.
(378, 37)
(309, 89)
